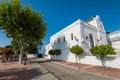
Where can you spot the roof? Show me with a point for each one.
(115, 32)
(90, 19)
(4, 50)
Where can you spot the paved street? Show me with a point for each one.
(40, 73)
(38, 69)
(66, 73)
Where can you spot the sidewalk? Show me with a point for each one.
(31, 71)
(15, 71)
(112, 72)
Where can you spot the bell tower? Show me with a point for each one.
(100, 26)
(101, 31)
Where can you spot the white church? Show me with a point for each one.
(85, 34)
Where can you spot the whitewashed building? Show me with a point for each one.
(114, 40)
(86, 34)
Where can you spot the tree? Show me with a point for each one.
(31, 49)
(14, 46)
(51, 53)
(7, 46)
(57, 52)
(102, 51)
(76, 50)
(23, 24)
(45, 55)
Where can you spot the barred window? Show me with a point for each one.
(59, 40)
(72, 36)
(64, 38)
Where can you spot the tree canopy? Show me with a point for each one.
(57, 52)
(23, 24)
(14, 46)
(76, 50)
(51, 52)
(102, 51)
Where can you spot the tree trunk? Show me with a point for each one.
(103, 65)
(21, 54)
(56, 57)
(76, 59)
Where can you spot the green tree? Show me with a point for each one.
(51, 53)
(8, 46)
(57, 52)
(32, 49)
(102, 51)
(76, 50)
(14, 46)
(45, 55)
(23, 24)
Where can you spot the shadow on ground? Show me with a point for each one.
(16, 74)
(21, 73)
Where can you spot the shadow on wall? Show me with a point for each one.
(64, 51)
(62, 44)
(90, 59)
(81, 56)
(110, 59)
(106, 60)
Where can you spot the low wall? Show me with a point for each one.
(109, 61)
(112, 61)
(31, 55)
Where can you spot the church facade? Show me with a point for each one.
(85, 34)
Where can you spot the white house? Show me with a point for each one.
(114, 40)
(86, 34)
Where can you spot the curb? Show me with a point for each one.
(84, 70)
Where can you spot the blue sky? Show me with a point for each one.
(60, 13)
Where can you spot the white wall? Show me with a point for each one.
(93, 60)
(116, 45)
(46, 50)
(31, 55)
(80, 30)
(114, 38)
(71, 29)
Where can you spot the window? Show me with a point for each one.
(72, 36)
(75, 37)
(54, 42)
(59, 40)
(77, 40)
(64, 38)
